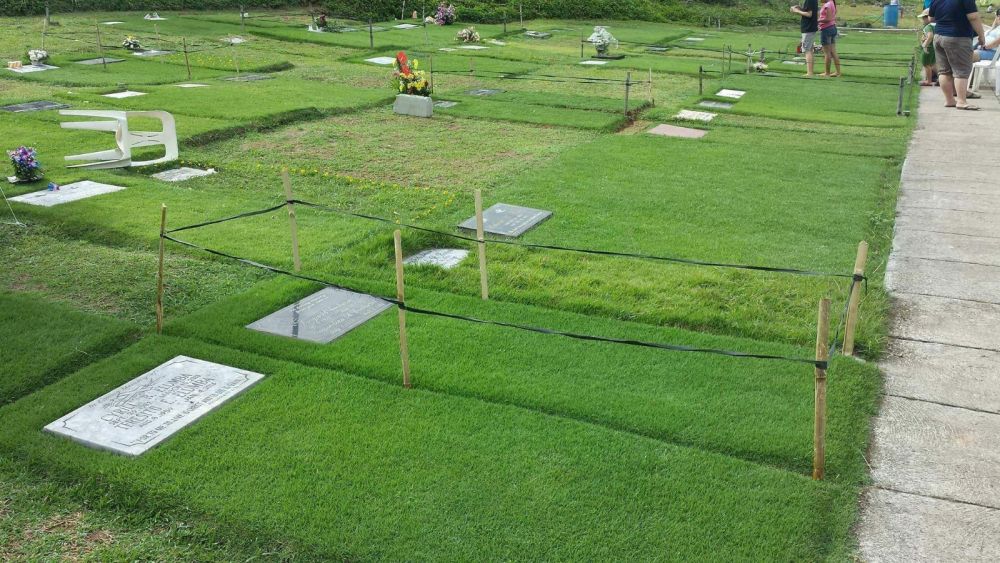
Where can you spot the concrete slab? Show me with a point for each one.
(947, 247)
(948, 221)
(947, 279)
(946, 374)
(938, 451)
(913, 197)
(674, 131)
(947, 321)
(900, 527)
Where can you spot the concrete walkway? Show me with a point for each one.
(936, 453)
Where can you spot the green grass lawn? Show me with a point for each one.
(511, 444)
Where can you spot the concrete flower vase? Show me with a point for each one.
(417, 106)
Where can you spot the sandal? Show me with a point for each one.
(972, 96)
(926, 83)
(968, 107)
(949, 105)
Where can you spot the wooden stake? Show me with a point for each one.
(293, 224)
(822, 355)
(187, 62)
(431, 59)
(100, 48)
(243, 26)
(236, 60)
(159, 277)
(851, 323)
(404, 348)
(484, 282)
(371, 34)
(520, 10)
(628, 87)
(652, 101)
(701, 80)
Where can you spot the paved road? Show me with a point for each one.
(936, 452)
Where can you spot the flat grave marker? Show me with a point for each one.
(65, 194)
(233, 40)
(538, 34)
(675, 131)
(381, 60)
(793, 62)
(192, 85)
(41, 105)
(484, 92)
(144, 412)
(445, 104)
(99, 61)
(715, 105)
(656, 49)
(594, 62)
(694, 39)
(406, 26)
(508, 220)
(695, 115)
(499, 43)
(446, 258)
(125, 94)
(249, 77)
(183, 173)
(322, 317)
(731, 94)
(111, 23)
(447, 49)
(473, 47)
(33, 68)
(152, 53)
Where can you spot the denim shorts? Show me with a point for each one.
(828, 36)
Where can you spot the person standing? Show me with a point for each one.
(828, 36)
(957, 22)
(809, 10)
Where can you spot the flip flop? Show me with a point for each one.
(949, 106)
(968, 108)
(972, 96)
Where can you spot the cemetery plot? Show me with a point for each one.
(323, 316)
(665, 130)
(152, 407)
(34, 106)
(690, 115)
(100, 61)
(182, 174)
(446, 258)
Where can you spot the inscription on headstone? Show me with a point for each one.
(446, 258)
(322, 317)
(508, 220)
(33, 106)
(183, 173)
(67, 193)
(149, 409)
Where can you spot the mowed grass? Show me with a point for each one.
(512, 444)
(68, 340)
(369, 470)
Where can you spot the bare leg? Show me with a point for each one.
(810, 62)
(948, 87)
(826, 60)
(836, 57)
(961, 89)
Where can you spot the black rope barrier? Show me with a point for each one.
(528, 328)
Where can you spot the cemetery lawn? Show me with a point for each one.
(511, 444)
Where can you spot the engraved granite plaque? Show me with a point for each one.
(322, 317)
(690, 115)
(125, 94)
(105, 60)
(152, 53)
(67, 193)
(152, 407)
(732, 94)
(446, 258)
(183, 173)
(508, 220)
(34, 106)
(715, 105)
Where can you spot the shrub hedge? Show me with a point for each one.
(730, 12)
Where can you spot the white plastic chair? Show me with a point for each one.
(983, 69)
(126, 140)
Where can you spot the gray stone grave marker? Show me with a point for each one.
(183, 173)
(690, 115)
(152, 53)
(33, 68)
(732, 94)
(249, 77)
(715, 105)
(322, 317)
(105, 60)
(67, 193)
(144, 412)
(674, 131)
(537, 34)
(125, 94)
(446, 258)
(34, 106)
(484, 92)
(508, 220)
(445, 104)
(657, 49)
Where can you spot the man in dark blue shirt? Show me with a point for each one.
(809, 10)
(957, 23)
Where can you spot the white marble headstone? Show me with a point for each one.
(381, 60)
(183, 173)
(67, 193)
(695, 115)
(732, 94)
(446, 258)
(152, 407)
(125, 94)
